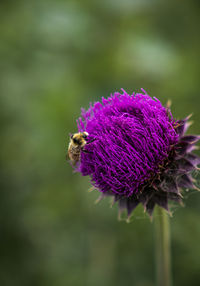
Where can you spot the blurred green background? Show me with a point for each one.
(56, 57)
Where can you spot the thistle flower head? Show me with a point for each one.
(138, 152)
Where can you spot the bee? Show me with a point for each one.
(76, 145)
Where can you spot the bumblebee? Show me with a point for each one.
(76, 145)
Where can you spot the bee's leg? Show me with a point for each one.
(85, 151)
(91, 141)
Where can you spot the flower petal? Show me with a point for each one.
(131, 205)
(193, 159)
(169, 184)
(150, 207)
(185, 165)
(162, 200)
(174, 197)
(182, 147)
(182, 126)
(191, 138)
(185, 181)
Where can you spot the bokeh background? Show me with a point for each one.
(56, 57)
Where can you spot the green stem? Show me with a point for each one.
(163, 263)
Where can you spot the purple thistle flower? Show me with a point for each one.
(138, 151)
